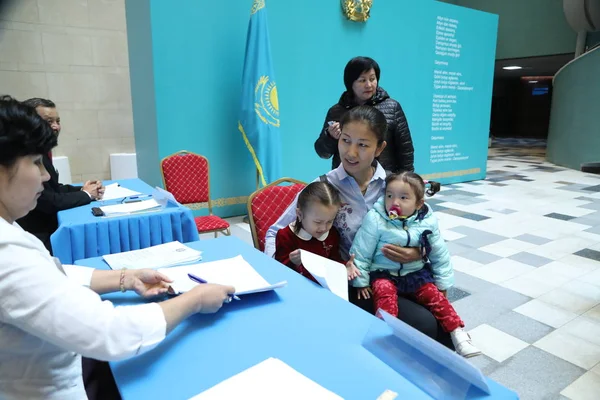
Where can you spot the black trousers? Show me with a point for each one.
(98, 380)
(411, 313)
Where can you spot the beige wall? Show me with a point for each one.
(73, 52)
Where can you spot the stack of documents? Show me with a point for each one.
(271, 379)
(161, 256)
(234, 272)
(128, 208)
(116, 191)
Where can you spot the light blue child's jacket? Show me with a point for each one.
(378, 229)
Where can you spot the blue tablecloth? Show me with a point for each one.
(81, 235)
(309, 328)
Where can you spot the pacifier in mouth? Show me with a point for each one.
(395, 212)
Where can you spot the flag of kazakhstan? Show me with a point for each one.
(259, 117)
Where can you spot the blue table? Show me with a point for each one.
(81, 235)
(304, 325)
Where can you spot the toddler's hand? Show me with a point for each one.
(351, 269)
(295, 257)
(364, 292)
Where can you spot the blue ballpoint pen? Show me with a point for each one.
(197, 279)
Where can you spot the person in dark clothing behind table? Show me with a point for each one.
(42, 221)
(361, 78)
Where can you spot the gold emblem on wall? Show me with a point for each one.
(357, 10)
(267, 102)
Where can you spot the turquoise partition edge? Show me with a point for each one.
(574, 133)
(186, 61)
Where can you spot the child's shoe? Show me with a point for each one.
(463, 344)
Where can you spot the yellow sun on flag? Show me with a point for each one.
(267, 102)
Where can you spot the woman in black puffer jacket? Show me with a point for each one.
(361, 77)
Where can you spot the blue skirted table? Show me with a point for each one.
(82, 235)
(308, 327)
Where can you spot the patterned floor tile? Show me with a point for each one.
(499, 249)
(456, 249)
(593, 188)
(464, 265)
(535, 374)
(501, 270)
(586, 221)
(532, 239)
(457, 192)
(476, 238)
(496, 301)
(496, 344)
(464, 214)
(484, 363)
(480, 256)
(471, 284)
(528, 286)
(455, 294)
(595, 229)
(594, 314)
(584, 328)
(562, 217)
(570, 348)
(569, 301)
(522, 327)
(530, 259)
(546, 313)
(587, 387)
(449, 235)
(592, 206)
(589, 253)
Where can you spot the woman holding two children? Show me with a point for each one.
(360, 181)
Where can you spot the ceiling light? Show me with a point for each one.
(533, 81)
(512, 67)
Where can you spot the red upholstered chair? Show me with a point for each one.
(187, 176)
(267, 204)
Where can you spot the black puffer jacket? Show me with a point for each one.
(399, 152)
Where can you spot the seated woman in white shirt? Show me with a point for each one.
(50, 315)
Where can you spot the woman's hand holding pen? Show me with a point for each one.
(210, 297)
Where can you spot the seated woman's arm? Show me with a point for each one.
(145, 282)
(40, 300)
(401, 254)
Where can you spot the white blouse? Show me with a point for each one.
(48, 320)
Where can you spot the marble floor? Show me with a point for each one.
(525, 244)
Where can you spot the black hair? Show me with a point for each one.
(39, 102)
(321, 192)
(357, 66)
(418, 185)
(22, 132)
(369, 115)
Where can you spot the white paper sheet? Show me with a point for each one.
(234, 271)
(115, 191)
(127, 208)
(160, 256)
(271, 379)
(330, 274)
